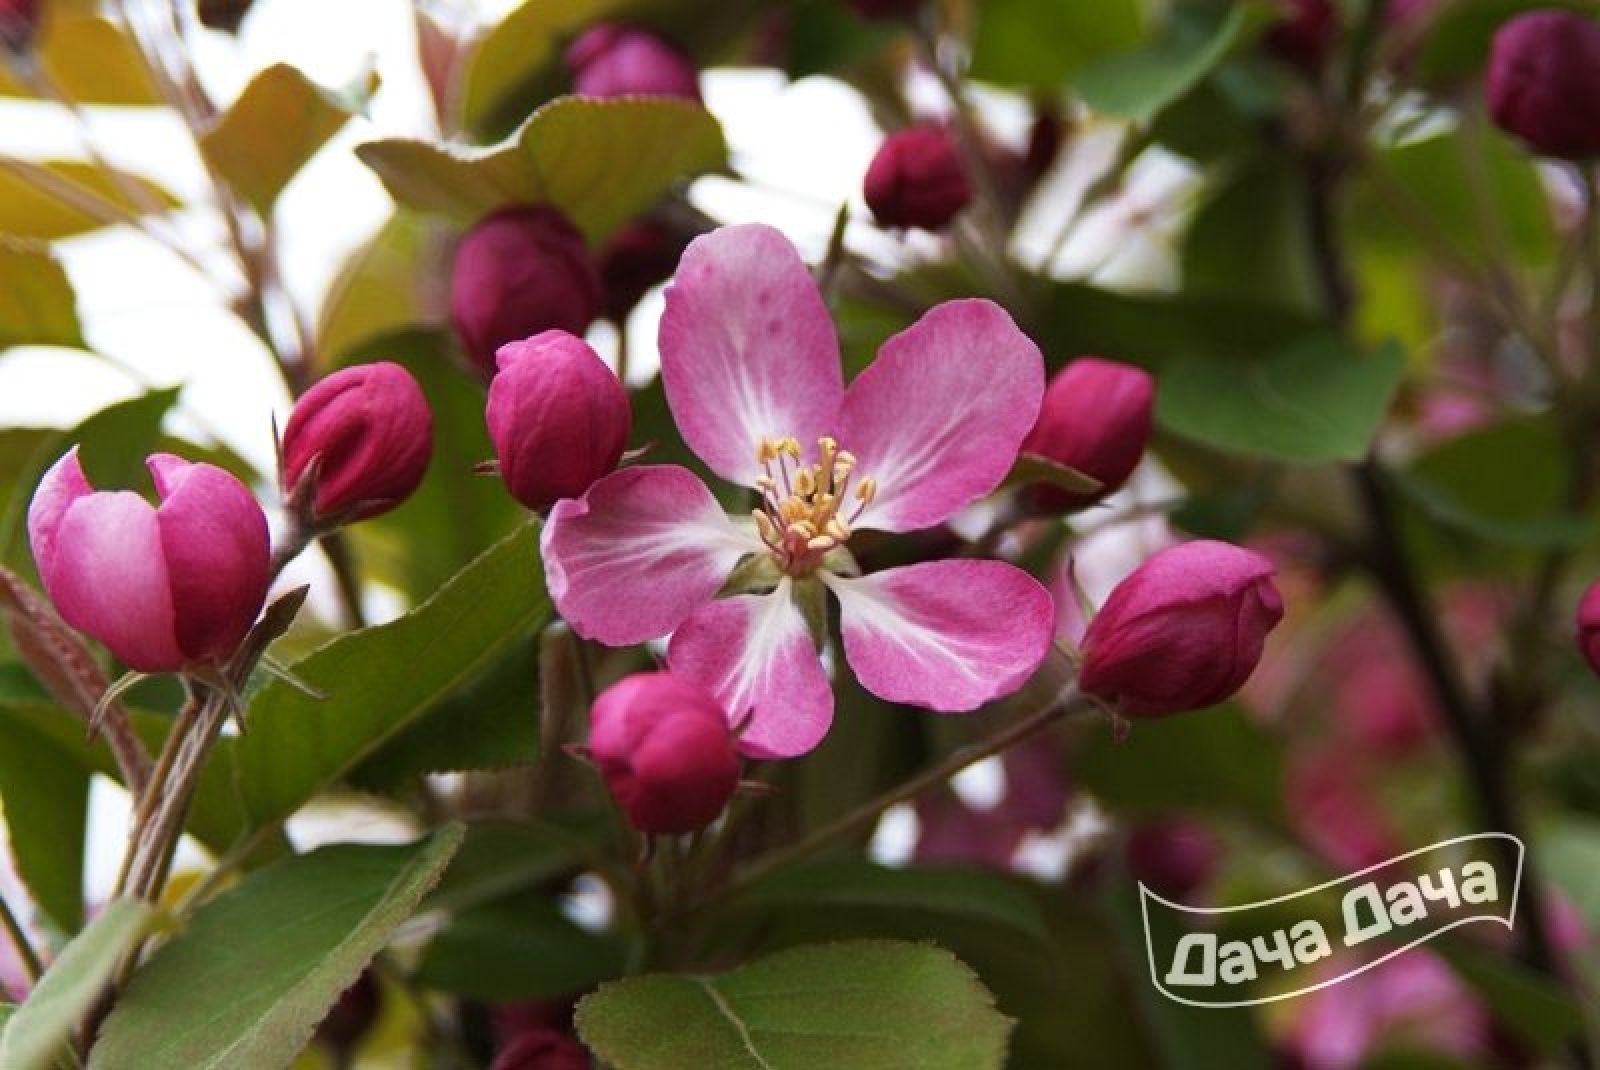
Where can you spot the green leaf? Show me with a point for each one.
(45, 200)
(90, 58)
(1249, 237)
(958, 894)
(1469, 186)
(1210, 760)
(41, 1027)
(388, 284)
(602, 162)
(380, 680)
(492, 723)
(1314, 401)
(37, 304)
(455, 514)
(257, 968)
(1039, 44)
(516, 49)
(1506, 482)
(1138, 85)
(501, 856)
(520, 948)
(45, 793)
(867, 1004)
(275, 126)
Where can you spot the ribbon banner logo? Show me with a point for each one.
(1238, 956)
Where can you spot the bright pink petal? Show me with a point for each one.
(214, 536)
(109, 579)
(747, 349)
(937, 418)
(62, 485)
(641, 550)
(946, 635)
(755, 654)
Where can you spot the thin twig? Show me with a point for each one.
(19, 938)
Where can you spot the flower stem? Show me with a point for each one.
(19, 938)
(1066, 702)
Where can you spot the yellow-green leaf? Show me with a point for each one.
(602, 162)
(37, 304)
(90, 59)
(277, 124)
(60, 198)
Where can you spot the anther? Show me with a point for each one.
(866, 490)
(821, 542)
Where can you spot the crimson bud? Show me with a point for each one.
(610, 60)
(1096, 418)
(916, 179)
(1183, 631)
(1543, 82)
(664, 748)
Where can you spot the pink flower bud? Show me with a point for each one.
(18, 20)
(370, 431)
(520, 271)
(637, 257)
(1175, 856)
(663, 746)
(1589, 626)
(885, 9)
(1543, 82)
(1096, 418)
(610, 60)
(1306, 35)
(161, 587)
(541, 1049)
(916, 179)
(1184, 631)
(558, 417)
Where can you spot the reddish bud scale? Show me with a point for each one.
(1543, 82)
(1183, 631)
(369, 430)
(917, 179)
(665, 751)
(1096, 418)
(558, 417)
(541, 1049)
(1307, 34)
(610, 60)
(520, 271)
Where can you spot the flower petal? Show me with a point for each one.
(747, 349)
(109, 579)
(945, 635)
(755, 654)
(214, 537)
(62, 485)
(937, 418)
(641, 550)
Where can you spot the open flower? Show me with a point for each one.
(750, 362)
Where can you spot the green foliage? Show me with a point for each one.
(277, 124)
(1314, 401)
(257, 968)
(45, 792)
(1138, 85)
(60, 198)
(384, 679)
(41, 1027)
(1039, 44)
(519, 948)
(873, 1005)
(1212, 760)
(601, 162)
(37, 305)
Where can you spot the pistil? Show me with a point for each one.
(802, 522)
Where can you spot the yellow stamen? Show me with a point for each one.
(821, 542)
(769, 534)
(867, 490)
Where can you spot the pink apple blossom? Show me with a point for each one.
(750, 362)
